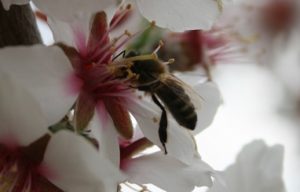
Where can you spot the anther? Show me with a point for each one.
(128, 6)
(126, 32)
(152, 24)
(172, 60)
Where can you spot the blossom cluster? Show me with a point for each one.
(77, 115)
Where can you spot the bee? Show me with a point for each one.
(151, 75)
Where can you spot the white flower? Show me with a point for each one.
(168, 173)
(30, 157)
(178, 15)
(257, 168)
(48, 74)
(259, 26)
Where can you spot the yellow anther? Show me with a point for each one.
(152, 23)
(172, 60)
(112, 48)
(161, 43)
(126, 32)
(128, 6)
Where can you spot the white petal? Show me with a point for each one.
(77, 166)
(211, 96)
(45, 72)
(7, 3)
(257, 168)
(20, 115)
(168, 173)
(107, 137)
(179, 15)
(180, 143)
(64, 31)
(69, 10)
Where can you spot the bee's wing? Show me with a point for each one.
(169, 80)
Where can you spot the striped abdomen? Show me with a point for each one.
(178, 103)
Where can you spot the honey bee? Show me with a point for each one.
(151, 75)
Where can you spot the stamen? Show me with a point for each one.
(110, 48)
(161, 43)
(114, 43)
(118, 18)
(170, 61)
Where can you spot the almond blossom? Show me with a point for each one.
(168, 173)
(91, 83)
(258, 167)
(33, 160)
(76, 75)
(261, 27)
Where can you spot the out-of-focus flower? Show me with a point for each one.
(31, 158)
(178, 15)
(168, 173)
(259, 25)
(257, 168)
(196, 48)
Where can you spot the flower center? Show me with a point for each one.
(19, 166)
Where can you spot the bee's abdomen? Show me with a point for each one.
(179, 104)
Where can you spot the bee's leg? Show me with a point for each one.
(163, 123)
(118, 55)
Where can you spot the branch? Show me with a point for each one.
(18, 26)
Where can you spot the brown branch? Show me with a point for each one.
(18, 26)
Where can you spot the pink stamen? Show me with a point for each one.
(119, 16)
